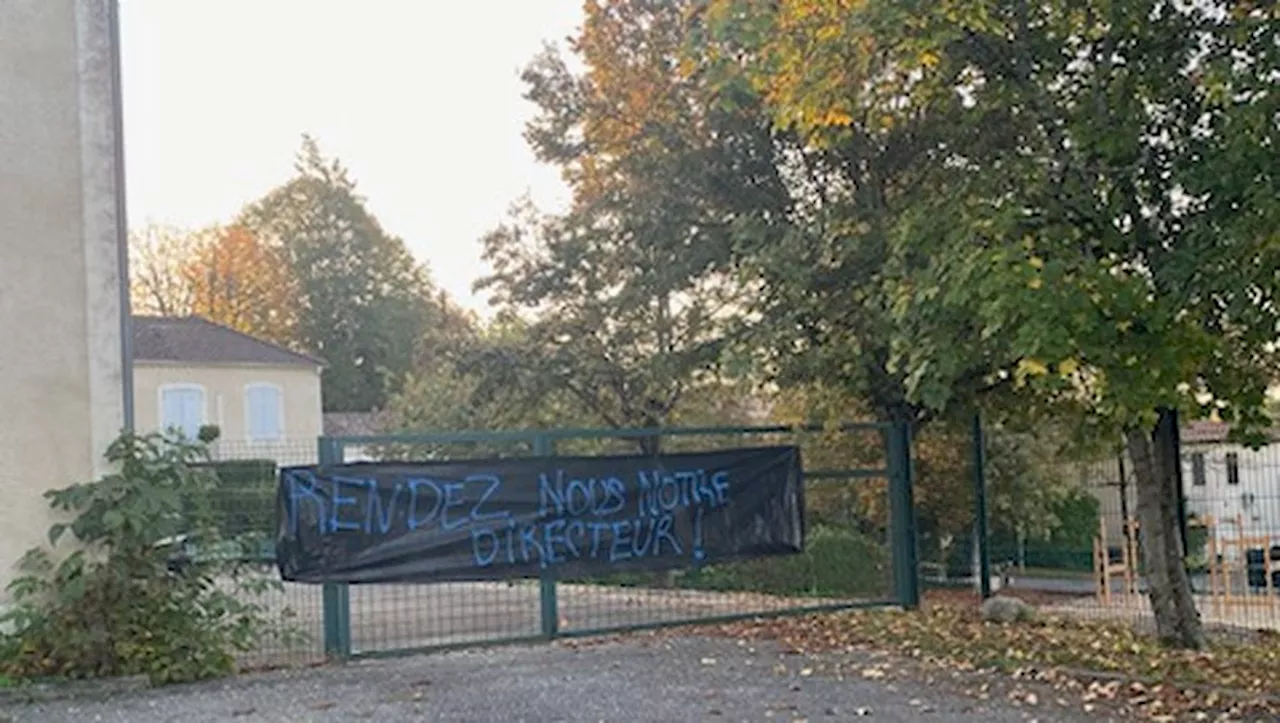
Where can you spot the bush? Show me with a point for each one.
(114, 606)
(244, 498)
(1068, 546)
(836, 562)
(1197, 544)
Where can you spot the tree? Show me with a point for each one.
(1091, 206)
(829, 267)
(236, 280)
(224, 274)
(364, 304)
(632, 288)
(468, 384)
(1025, 470)
(157, 285)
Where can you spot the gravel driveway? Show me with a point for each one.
(631, 679)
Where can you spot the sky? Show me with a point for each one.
(420, 99)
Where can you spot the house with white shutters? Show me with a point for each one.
(189, 372)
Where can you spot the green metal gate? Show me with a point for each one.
(861, 549)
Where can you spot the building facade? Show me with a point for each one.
(263, 398)
(61, 246)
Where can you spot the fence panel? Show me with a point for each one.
(387, 619)
(849, 559)
(846, 563)
(244, 509)
(1077, 543)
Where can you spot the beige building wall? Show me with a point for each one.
(60, 316)
(224, 388)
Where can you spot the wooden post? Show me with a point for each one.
(1131, 527)
(1215, 565)
(1105, 552)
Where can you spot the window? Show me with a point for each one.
(182, 408)
(1233, 468)
(1197, 469)
(263, 412)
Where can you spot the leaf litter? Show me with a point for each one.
(1051, 662)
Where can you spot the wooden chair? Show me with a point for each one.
(1220, 566)
(1126, 568)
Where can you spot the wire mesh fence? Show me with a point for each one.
(1061, 525)
(386, 618)
(244, 511)
(1066, 527)
(847, 551)
(847, 561)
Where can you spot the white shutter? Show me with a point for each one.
(171, 409)
(192, 412)
(262, 403)
(182, 408)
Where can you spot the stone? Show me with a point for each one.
(1004, 609)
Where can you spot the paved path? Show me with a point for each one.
(632, 680)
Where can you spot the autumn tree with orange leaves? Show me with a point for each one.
(237, 280)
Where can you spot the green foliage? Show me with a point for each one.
(208, 433)
(1050, 196)
(482, 380)
(837, 562)
(366, 307)
(1025, 470)
(113, 605)
(1078, 516)
(1067, 544)
(633, 287)
(1073, 203)
(1197, 545)
(243, 499)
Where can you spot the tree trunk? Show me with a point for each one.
(1155, 471)
(651, 446)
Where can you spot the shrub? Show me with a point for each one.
(243, 500)
(836, 562)
(114, 606)
(1068, 545)
(1197, 544)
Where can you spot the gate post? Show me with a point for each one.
(980, 531)
(902, 517)
(336, 595)
(548, 604)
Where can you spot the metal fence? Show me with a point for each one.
(1065, 528)
(245, 509)
(860, 549)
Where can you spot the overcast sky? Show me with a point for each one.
(420, 99)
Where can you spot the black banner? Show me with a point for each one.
(506, 518)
